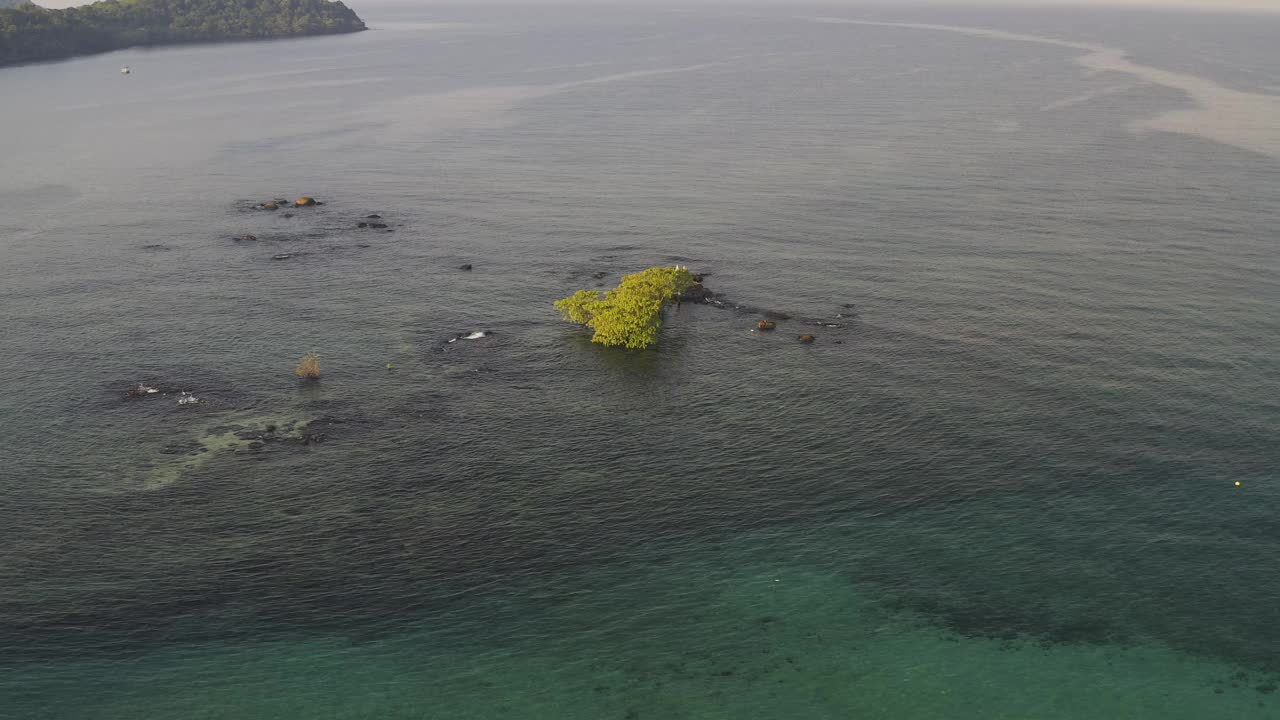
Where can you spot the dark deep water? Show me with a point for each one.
(1004, 488)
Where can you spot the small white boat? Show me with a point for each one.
(125, 70)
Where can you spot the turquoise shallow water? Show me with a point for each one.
(1002, 486)
(758, 627)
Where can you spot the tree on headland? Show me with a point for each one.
(629, 315)
(29, 32)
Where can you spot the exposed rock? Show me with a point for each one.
(807, 338)
(155, 388)
(697, 293)
(281, 256)
(246, 238)
(465, 267)
(766, 324)
(270, 206)
(473, 335)
(291, 433)
(142, 390)
(305, 201)
(373, 217)
(183, 448)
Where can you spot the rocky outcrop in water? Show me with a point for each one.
(315, 432)
(699, 293)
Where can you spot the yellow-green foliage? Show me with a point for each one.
(309, 367)
(630, 314)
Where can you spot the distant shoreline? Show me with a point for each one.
(174, 44)
(30, 34)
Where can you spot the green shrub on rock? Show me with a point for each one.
(629, 315)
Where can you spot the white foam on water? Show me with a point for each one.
(1245, 120)
(1085, 97)
(485, 107)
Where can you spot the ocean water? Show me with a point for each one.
(1003, 485)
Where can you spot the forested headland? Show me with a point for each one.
(30, 33)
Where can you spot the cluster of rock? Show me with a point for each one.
(143, 390)
(292, 433)
(767, 325)
(277, 203)
(369, 222)
(699, 293)
(372, 225)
